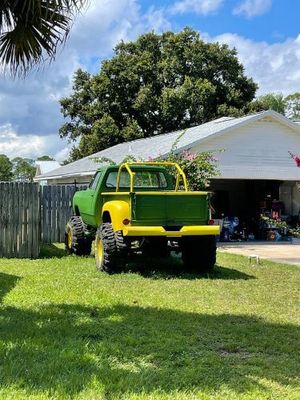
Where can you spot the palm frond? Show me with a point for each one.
(31, 30)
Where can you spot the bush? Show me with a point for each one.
(198, 167)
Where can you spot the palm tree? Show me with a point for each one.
(31, 30)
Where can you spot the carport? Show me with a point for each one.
(243, 198)
(248, 199)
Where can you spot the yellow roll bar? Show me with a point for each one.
(127, 165)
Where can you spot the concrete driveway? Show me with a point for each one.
(284, 252)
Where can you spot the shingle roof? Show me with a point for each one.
(160, 145)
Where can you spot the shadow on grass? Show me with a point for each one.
(63, 349)
(7, 283)
(52, 250)
(171, 267)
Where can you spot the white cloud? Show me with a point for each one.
(62, 154)
(155, 18)
(252, 8)
(275, 67)
(106, 22)
(202, 7)
(31, 146)
(30, 107)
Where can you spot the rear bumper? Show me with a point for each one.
(198, 230)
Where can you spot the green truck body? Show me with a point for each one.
(147, 202)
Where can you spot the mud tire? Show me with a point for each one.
(110, 249)
(75, 240)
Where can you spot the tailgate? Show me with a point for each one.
(169, 208)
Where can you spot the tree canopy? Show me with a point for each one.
(154, 85)
(6, 168)
(288, 106)
(31, 29)
(45, 158)
(23, 169)
(270, 101)
(292, 106)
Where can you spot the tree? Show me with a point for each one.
(154, 85)
(23, 169)
(31, 29)
(270, 101)
(288, 106)
(6, 167)
(45, 158)
(293, 106)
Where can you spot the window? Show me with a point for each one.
(142, 179)
(162, 180)
(111, 181)
(95, 180)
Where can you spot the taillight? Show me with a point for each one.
(126, 221)
(211, 222)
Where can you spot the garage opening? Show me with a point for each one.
(243, 198)
(249, 199)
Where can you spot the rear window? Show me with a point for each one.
(142, 179)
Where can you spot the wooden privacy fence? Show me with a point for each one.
(29, 214)
(19, 220)
(56, 209)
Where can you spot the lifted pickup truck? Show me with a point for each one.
(142, 206)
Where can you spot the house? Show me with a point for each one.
(255, 166)
(44, 167)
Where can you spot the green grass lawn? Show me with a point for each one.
(70, 332)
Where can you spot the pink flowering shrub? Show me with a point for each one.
(198, 167)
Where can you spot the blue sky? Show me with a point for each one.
(265, 33)
(272, 21)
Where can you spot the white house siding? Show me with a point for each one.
(256, 151)
(259, 151)
(80, 180)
